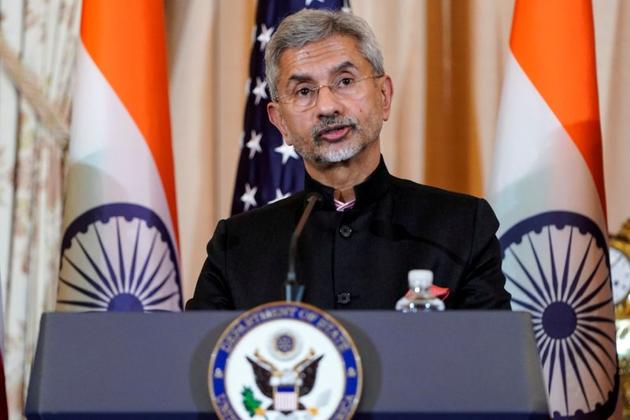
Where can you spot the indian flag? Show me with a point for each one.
(120, 244)
(548, 191)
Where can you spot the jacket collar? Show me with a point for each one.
(367, 192)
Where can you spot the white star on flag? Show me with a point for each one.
(265, 36)
(259, 90)
(279, 196)
(249, 197)
(254, 144)
(286, 151)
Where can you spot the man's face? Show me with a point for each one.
(337, 126)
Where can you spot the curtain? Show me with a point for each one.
(38, 42)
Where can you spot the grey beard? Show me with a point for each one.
(333, 156)
(340, 155)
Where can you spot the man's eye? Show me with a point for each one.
(302, 92)
(345, 82)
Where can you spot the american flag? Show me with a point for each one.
(268, 168)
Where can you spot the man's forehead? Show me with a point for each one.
(330, 54)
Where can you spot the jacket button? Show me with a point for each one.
(343, 298)
(345, 231)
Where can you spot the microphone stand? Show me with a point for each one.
(293, 289)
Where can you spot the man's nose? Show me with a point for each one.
(327, 102)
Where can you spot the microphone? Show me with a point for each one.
(293, 289)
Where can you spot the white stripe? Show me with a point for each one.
(109, 159)
(535, 158)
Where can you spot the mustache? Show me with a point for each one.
(328, 123)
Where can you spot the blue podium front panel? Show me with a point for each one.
(454, 365)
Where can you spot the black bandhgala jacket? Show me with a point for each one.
(358, 259)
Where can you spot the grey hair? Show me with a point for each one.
(311, 25)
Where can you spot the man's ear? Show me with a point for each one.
(275, 116)
(387, 92)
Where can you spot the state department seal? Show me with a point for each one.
(285, 360)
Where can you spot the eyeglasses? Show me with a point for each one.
(345, 87)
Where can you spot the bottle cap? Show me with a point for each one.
(420, 279)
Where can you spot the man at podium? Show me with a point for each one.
(330, 96)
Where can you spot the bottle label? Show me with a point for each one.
(440, 292)
(437, 291)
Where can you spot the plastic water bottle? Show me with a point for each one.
(419, 298)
